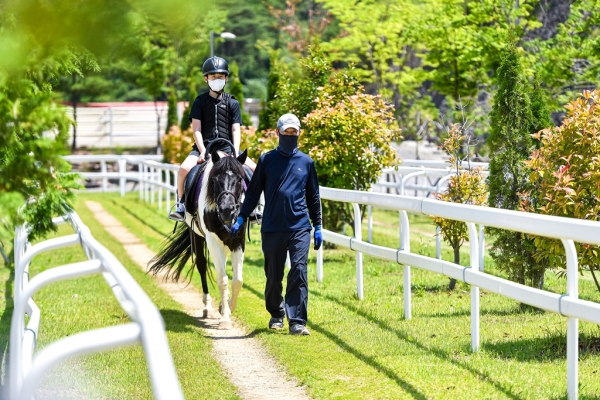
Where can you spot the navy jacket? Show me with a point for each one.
(291, 192)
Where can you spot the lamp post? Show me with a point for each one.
(224, 35)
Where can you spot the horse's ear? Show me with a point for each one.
(242, 157)
(214, 155)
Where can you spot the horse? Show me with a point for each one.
(219, 195)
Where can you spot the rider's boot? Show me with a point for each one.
(179, 213)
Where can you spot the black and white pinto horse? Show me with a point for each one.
(219, 198)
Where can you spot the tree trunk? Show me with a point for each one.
(456, 261)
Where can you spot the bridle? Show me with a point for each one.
(226, 192)
(237, 203)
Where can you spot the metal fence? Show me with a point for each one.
(566, 229)
(147, 328)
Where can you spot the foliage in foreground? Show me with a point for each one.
(34, 53)
(566, 173)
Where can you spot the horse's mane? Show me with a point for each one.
(219, 168)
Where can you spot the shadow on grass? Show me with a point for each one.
(410, 389)
(134, 215)
(463, 313)
(178, 321)
(414, 392)
(550, 347)
(580, 397)
(258, 294)
(441, 354)
(5, 322)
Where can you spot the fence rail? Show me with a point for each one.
(566, 229)
(154, 178)
(147, 328)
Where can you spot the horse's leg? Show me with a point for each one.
(237, 263)
(219, 257)
(201, 266)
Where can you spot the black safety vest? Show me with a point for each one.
(222, 113)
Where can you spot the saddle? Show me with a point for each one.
(193, 185)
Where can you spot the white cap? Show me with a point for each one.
(288, 121)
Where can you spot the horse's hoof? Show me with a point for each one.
(210, 314)
(225, 325)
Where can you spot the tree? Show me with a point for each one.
(270, 110)
(466, 186)
(569, 62)
(299, 97)
(172, 117)
(566, 173)
(510, 142)
(348, 135)
(158, 65)
(237, 90)
(382, 39)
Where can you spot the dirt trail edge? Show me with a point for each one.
(249, 367)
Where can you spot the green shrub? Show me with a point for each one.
(566, 173)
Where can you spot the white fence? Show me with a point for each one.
(154, 178)
(566, 229)
(147, 328)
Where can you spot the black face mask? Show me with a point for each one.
(288, 145)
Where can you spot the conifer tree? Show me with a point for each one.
(269, 113)
(172, 118)
(539, 108)
(515, 117)
(236, 89)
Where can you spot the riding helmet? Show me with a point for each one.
(215, 65)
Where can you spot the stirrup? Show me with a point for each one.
(176, 215)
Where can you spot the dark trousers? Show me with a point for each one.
(275, 246)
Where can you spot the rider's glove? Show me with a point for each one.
(318, 237)
(236, 227)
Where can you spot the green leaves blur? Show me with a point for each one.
(40, 42)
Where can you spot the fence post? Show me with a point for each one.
(370, 223)
(474, 261)
(405, 246)
(160, 178)
(104, 179)
(152, 188)
(168, 176)
(359, 255)
(122, 170)
(141, 179)
(320, 264)
(572, 323)
(481, 246)
(438, 243)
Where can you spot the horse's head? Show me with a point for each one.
(226, 186)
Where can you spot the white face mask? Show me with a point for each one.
(217, 84)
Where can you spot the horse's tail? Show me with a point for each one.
(175, 251)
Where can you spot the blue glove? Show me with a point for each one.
(318, 237)
(236, 227)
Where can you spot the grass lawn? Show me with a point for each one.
(87, 303)
(364, 349)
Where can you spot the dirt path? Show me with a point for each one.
(249, 367)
